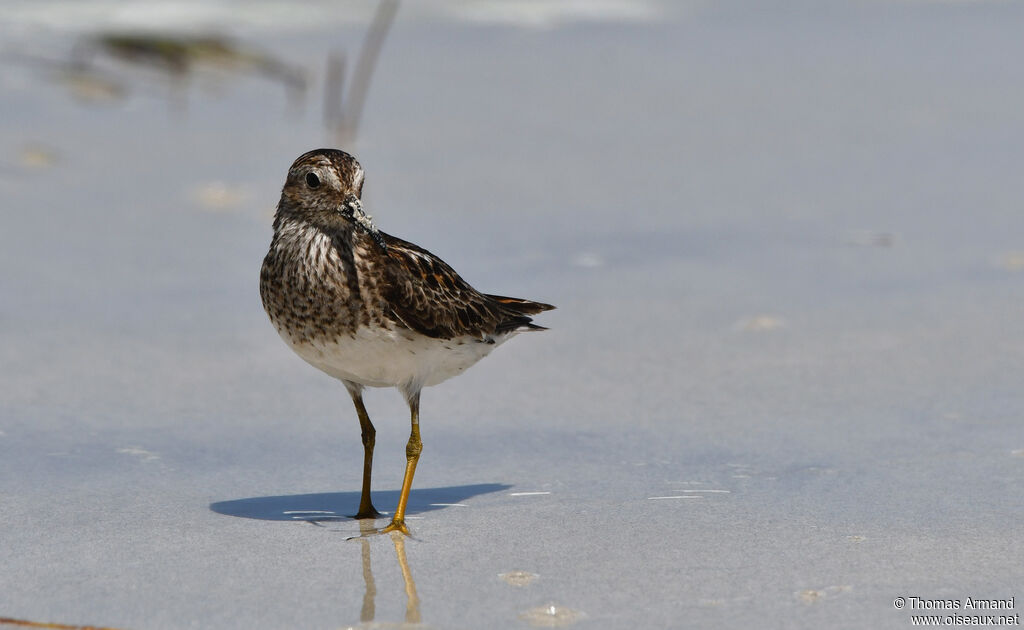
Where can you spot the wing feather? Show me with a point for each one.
(425, 294)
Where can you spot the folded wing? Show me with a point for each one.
(428, 296)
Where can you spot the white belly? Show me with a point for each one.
(377, 357)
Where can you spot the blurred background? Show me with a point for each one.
(781, 389)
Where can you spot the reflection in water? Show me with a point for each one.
(369, 595)
(412, 600)
(328, 508)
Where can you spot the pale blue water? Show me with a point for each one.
(785, 242)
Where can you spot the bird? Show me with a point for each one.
(371, 309)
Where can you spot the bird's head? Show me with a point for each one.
(325, 186)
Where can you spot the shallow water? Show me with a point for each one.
(782, 387)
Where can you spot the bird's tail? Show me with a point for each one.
(518, 313)
(526, 307)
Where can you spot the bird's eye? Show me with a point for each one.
(312, 180)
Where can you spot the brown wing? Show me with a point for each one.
(426, 295)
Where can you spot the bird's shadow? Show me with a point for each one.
(339, 506)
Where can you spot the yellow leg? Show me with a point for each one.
(369, 434)
(412, 456)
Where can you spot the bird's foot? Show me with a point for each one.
(395, 526)
(367, 512)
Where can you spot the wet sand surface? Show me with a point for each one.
(782, 387)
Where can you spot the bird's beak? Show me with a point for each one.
(352, 209)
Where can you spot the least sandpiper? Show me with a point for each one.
(371, 309)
